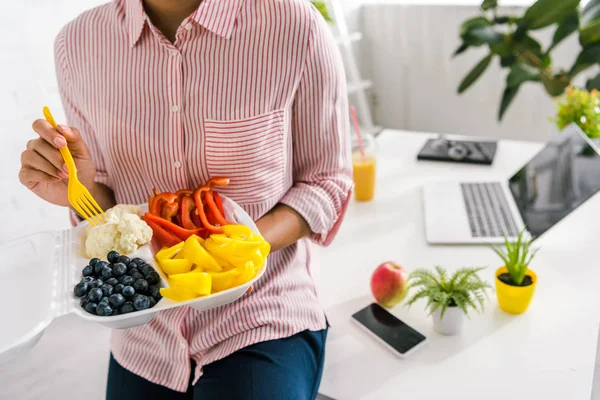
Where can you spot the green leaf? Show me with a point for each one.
(507, 98)
(489, 4)
(483, 35)
(508, 60)
(475, 73)
(568, 25)
(322, 7)
(589, 32)
(547, 12)
(502, 49)
(586, 58)
(521, 73)
(593, 83)
(472, 23)
(501, 20)
(461, 49)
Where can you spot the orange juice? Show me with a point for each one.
(364, 167)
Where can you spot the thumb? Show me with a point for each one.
(74, 141)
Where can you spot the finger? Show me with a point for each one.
(49, 152)
(48, 133)
(32, 159)
(31, 177)
(74, 140)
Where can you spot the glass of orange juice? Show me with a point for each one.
(364, 165)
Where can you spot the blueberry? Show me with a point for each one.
(84, 300)
(107, 289)
(91, 307)
(112, 281)
(81, 289)
(141, 285)
(115, 312)
(99, 267)
(104, 310)
(137, 275)
(97, 283)
(141, 302)
(155, 293)
(118, 288)
(88, 279)
(128, 292)
(153, 277)
(128, 280)
(144, 268)
(123, 259)
(119, 269)
(152, 301)
(107, 273)
(131, 271)
(95, 294)
(132, 265)
(112, 256)
(103, 300)
(116, 300)
(88, 271)
(138, 261)
(127, 307)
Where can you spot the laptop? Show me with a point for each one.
(544, 191)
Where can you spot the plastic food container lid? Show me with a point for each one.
(40, 271)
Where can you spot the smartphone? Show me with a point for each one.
(394, 334)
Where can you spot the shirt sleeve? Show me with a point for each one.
(322, 162)
(74, 116)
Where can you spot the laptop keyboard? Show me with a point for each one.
(488, 211)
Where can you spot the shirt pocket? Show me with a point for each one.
(251, 153)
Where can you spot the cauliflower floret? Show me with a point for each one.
(101, 239)
(123, 231)
(116, 214)
(134, 233)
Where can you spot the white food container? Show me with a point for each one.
(41, 270)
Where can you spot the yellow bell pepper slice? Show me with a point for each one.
(175, 266)
(200, 282)
(220, 238)
(194, 252)
(178, 293)
(167, 253)
(247, 274)
(224, 280)
(237, 231)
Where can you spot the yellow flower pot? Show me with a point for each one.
(514, 299)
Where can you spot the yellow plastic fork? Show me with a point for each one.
(79, 197)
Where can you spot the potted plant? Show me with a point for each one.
(581, 107)
(510, 40)
(449, 298)
(515, 282)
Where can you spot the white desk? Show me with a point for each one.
(547, 353)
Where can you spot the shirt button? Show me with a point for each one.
(188, 27)
(177, 164)
(174, 53)
(175, 108)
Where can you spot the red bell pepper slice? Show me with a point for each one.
(195, 218)
(218, 215)
(155, 207)
(217, 181)
(200, 208)
(164, 237)
(185, 210)
(169, 210)
(219, 203)
(176, 230)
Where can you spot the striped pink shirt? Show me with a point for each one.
(251, 89)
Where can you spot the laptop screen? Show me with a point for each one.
(561, 177)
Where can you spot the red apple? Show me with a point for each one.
(388, 284)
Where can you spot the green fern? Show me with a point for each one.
(464, 289)
(516, 257)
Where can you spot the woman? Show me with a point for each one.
(168, 93)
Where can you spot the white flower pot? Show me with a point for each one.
(451, 323)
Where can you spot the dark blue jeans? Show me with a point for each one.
(288, 368)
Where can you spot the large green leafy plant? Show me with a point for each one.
(516, 257)
(464, 289)
(510, 40)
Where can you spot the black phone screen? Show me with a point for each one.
(388, 328)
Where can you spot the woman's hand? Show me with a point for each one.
(43, 170)
(282, 226)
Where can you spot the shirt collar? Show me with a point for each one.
(217, 16)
